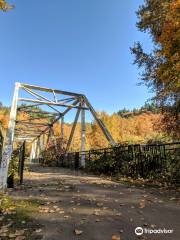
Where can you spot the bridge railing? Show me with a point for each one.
(152, 161)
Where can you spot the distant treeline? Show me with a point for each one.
(138, 126)
(147, 107)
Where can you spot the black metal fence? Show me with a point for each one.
(157, 161)
(1, 142)
(16, 165)
(21, 162)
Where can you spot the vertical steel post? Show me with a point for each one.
(41, 144)
(44, 141)
(8, 146)
(62, 131)
(83, 135)
(32, 155)
(48, 139)
(54, 140)
(37, 150)
(40, 147)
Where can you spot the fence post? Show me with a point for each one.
(21, 162)
(76, 165)
(89, 158)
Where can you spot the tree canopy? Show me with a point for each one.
(147, 107)
(161, 67)
(4, 6)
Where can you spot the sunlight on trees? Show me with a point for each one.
(4, 6)
(161, 67)
(142, 127)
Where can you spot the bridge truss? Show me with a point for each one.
(28, 99)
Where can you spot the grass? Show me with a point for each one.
(15, 215)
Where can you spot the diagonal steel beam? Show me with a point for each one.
(62, 115)
(38, 96)
(100, 123)
(73, 130)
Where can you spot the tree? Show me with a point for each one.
(161, 67)
(150, 107)
(121, 112)
(4, 6)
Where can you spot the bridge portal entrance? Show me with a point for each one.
(38, 126)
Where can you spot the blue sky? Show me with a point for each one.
(74, 45)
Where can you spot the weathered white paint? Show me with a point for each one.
(8, 145)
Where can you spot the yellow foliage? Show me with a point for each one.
(135, 129)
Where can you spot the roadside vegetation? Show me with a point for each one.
(15, 220)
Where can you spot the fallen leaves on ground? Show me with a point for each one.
(12, 235)
(118, 214)
(78, 232)
(38, 230)
(54, 209)
(97, 220)
(20, 238)
(3, 234)
(3, 230)
(99, 204)
(96, 212)
(19, 232)
(142, 204)
(116, 237)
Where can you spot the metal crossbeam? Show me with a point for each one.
(32, 123)
(58, 118)
(48, 103)
(27, 135)
(40, 97)
(28, 130)
(51, 90)
(29, 106)
(38, 112)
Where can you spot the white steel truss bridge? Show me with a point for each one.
(28, 99)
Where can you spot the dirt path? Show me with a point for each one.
(74, 206)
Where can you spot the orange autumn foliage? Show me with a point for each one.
(140, 128)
